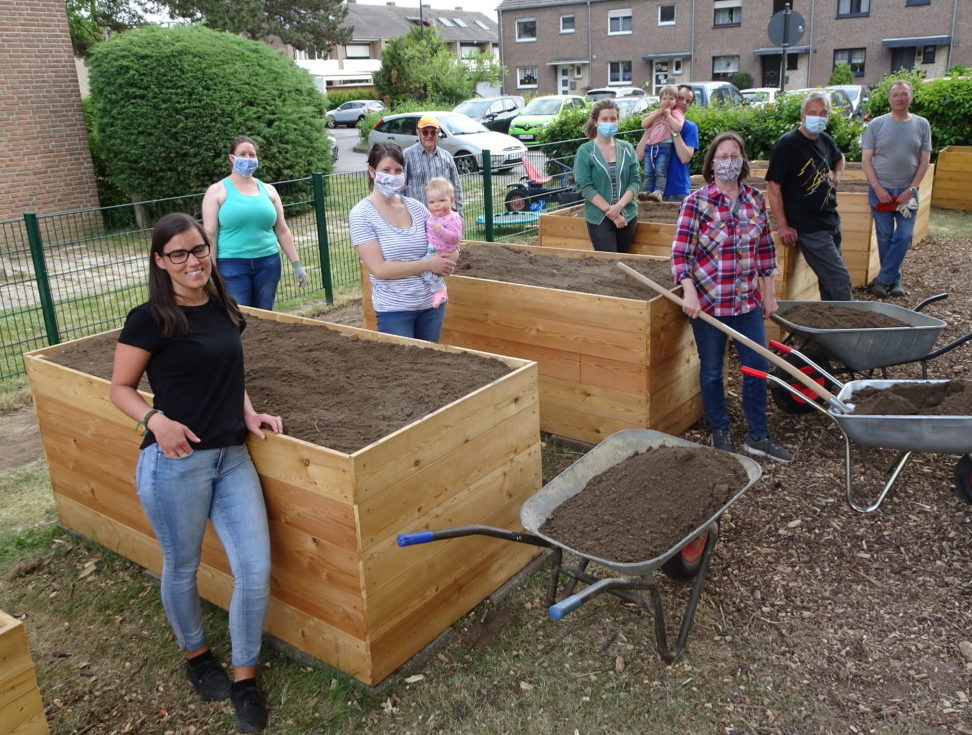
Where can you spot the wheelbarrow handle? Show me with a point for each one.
(739, 337)
(560, 610)
(423, 537)
(834, 403)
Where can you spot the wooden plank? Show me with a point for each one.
(588, 413)
(550, 361)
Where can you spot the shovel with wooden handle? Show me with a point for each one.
(825, 394)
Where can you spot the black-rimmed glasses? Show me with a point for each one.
(181, 256)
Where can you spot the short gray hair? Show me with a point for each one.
(901, 83)
(816, 96)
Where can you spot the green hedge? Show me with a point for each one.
(945, 102)
(167, 102)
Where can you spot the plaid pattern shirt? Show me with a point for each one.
(725, 249)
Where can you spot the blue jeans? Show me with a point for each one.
(656, 166)
(179, 495)
(421, 324)
(893, 236)
(252, 281)
(674, 198)
(711, 345)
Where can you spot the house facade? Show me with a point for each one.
(351, 65)
(553, 47)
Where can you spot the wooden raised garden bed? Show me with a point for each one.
(21, 706)
(606, 363)
(341, 589)
(953, 178)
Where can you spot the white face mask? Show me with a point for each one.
(727, 170)
(389, 184)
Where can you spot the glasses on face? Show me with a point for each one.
(181, 256)
(429, 133)
(728, 158)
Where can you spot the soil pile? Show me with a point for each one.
(641, 507)
(333, 390)
(824, 316)
(586, 274)
(946, 398)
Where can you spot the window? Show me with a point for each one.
(727, 13)
(312, 54)
(852, 56)
(724, 67)
(460, 22)
(779, 5)
(676, 66)
(928, 55)
(917, 2)
(357, 51)
(792, 62)
(666, 15)
(526, 30)
(445, 21)
(468, 52)
(526, 77)
(481, 25)
(853, 8)
(578, 73)
(619, 72)
(619, 22)
(567, 24)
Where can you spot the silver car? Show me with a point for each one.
(351, 112)
(459, 134)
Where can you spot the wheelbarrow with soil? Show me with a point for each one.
(904, 336)
(688, 557)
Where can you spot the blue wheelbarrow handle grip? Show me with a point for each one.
(410, 539)
(565, 607)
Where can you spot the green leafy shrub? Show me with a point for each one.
(338, 97)
(945, 102)
(742, 80)
(842, 74)
(167, 102)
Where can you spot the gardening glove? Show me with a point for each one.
(905, 211)
(300, 275)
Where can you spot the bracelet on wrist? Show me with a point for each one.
(145, 419)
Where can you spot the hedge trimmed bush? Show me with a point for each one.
(945, 102)
(167, 102)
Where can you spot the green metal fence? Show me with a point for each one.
(72, 274)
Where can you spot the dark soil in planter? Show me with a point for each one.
(586, 274)
(950, 398)
(333, 390)
(823, 316)
(643, 506)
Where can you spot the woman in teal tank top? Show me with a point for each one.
(245, 219)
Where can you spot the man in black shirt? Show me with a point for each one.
(805, 168)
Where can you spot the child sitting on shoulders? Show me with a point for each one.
(658, 142)
(443, 231)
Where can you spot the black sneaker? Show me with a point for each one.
(251, 712)
(897, 290)
(768, 447)
(207, 677)
(879, 290)
(722, 439)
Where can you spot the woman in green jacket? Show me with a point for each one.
(607, 173)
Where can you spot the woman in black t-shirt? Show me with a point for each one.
(194, 465)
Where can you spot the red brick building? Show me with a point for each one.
(45, 162)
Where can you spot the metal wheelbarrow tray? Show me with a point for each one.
(535, 511)
(871, 348)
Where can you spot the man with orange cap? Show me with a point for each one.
(425, 160)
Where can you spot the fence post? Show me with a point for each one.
(40, 275)
(323, 246)
(488, 193)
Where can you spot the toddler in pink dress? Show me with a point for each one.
(443, 231)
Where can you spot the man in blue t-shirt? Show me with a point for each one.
(686, 144)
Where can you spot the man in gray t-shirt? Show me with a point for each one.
(896, 151)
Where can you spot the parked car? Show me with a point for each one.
(859, 94)
(495, 113)
(839, 101)
(708, 94)
(540, 111)
(351, 112)
(628, 106)
(332, 142)
(596, 94)
(459, 134)
(760, 96)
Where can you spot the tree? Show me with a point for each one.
(92, 21)
(419, 66)
(166, 102)
(304, 24)
(842, 74)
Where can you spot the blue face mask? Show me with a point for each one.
(245, 166)
(815, 124)
(607, 130)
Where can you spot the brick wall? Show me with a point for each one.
(45, 163)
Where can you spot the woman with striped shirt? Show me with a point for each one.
(388, 232)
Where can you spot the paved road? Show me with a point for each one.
(348, 161)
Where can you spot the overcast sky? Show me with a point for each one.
(488, 7)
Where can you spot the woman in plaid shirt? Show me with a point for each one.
(723, 256)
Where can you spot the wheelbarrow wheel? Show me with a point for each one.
(963, 477)
(686, 563)
(791, 403)
(517, 201)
